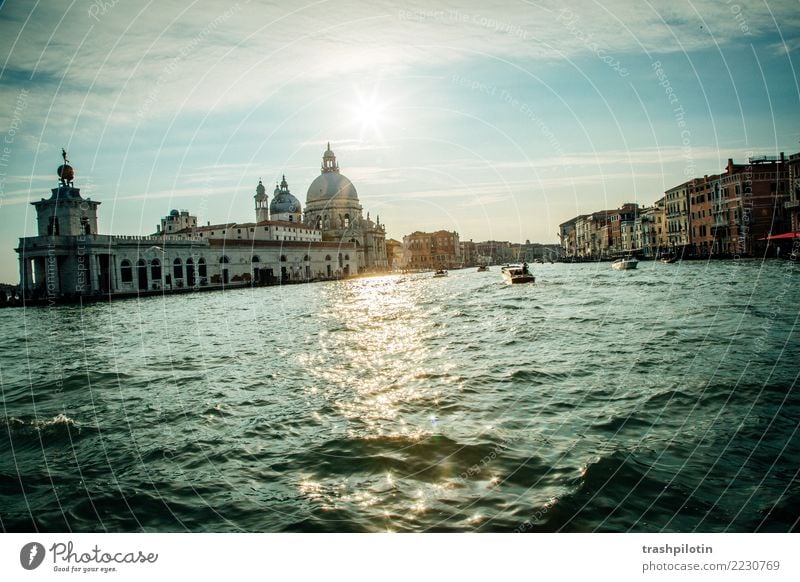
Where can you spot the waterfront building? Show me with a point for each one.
(676, 200)
(747, 205)
(469, 254)
(568, 238)
(661, 224)
(645, 240)
(622, 228)
(704, 194)
(333, 207)
(431, 250)
(69, 258)
(497, 251)
(394, 254)
(792, 205)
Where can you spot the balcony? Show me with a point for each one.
(791, 204)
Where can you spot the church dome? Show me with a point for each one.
(330, 184)
(283, 201)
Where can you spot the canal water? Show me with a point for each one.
(661, 399)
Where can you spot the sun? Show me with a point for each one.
(369, 114)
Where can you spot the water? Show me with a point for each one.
(662, 399)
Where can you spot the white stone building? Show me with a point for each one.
(69, 258)
(332, 207)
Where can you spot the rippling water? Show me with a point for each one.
(663, 399)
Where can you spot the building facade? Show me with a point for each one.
(432, 250)
(69, 258)
(333, 208)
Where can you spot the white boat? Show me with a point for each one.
(624, 264)
(513, 274)
(482, 268)
(440, 273)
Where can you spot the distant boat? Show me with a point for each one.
(482, 268)
(513, 274)
(669, 259)
(624, 264)
(440, 273)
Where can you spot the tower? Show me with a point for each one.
(66, 213)
(262, 206)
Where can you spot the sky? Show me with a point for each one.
(496, 119)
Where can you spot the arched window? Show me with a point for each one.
(155, 270)
(177, 269)
(126, 271)
(283, 258)
(201, 267)
(255, 259)
(224, 259)
(85, 226)
(341, 263)
(347, 221)
(305, 258)
(327, 257)
(319, 223)
(347, 257)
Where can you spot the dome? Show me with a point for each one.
(331, 185)
(174, 212)
(284, 202)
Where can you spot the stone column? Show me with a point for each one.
(25, 275)
(95, 274)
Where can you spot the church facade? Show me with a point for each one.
(69, 258)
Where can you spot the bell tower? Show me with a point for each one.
(262, 206)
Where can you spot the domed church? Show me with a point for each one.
(332, 206)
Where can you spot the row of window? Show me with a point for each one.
(126, 267)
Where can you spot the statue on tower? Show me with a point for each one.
(65, 172)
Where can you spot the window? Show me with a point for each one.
(327, 257)
(126, 271)
(255, 259)
(177, 269)
(224, 259)
(85, 226)
(283, 258)
(155, 270)
(201, 267)
(52, 227)
(305, 258)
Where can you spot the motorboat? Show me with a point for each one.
(624, 264)
(440, 273)
(482, 268)
(669, 259)
(513, 274)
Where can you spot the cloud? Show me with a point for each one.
(130, 64)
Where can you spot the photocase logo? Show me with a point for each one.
(31, 555)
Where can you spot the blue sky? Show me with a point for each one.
(495, 119)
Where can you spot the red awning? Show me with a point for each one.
(795, 234)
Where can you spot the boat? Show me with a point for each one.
(624, 264)
(482, 268)
(669, 259)
(513, 274)
(440, 273)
